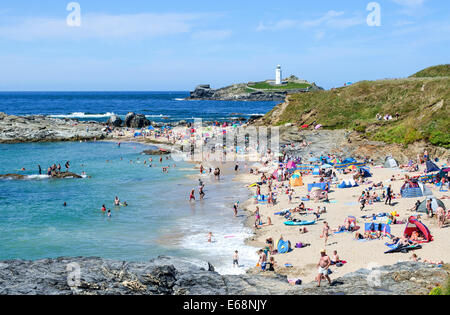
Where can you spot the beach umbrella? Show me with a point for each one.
(326, 166)
(352, 167)
(313, 159)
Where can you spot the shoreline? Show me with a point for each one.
(359, 255)
(303, 267)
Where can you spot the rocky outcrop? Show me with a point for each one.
(14, 129)
(202, 91)
(58, 175)
(237, 92)
(99, 276)
(406, 278)
(171, 276)
(133, 120)
(114, 121)
(156, 152)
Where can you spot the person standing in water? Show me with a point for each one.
(40, 170)
(117, 201)
(235, 209)
(236, 259)
(67, 166)
(192, 195)
(201, 192)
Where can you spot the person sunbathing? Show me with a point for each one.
(440, 262)
(359, 236)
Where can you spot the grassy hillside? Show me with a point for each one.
(432, 72)
(421, 102)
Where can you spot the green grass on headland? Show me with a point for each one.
(422, 104)
(436, 71)
(287, 86)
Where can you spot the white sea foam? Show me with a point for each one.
(82, 115)
(37, 176)
(220, 251)
(156, 116)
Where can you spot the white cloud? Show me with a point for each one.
(328, 17)
(101, 26)
(331, 19)
(410, 3)
(211, 35)
(410, 7)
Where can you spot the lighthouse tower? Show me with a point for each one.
(278, 75)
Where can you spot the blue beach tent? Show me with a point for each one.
(431, 167)
(283, 247)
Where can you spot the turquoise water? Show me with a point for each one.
(34, 224)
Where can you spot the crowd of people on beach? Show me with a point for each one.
(277, 185)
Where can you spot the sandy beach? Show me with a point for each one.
(343, 203)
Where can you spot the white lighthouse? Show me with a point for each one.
(278, 75)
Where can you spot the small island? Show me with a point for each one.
(268, 90)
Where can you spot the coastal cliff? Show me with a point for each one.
(171, 276)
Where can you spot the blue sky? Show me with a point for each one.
(175, 45)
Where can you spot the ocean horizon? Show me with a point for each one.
(157, 106)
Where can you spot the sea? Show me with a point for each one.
(159, 219)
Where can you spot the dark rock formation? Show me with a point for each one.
(14, 129)
(171, 276)
(58, 175)
(114, 121)
(133, 120)
(105, 277)
(406, 278)
(202, 91)
(156, 152)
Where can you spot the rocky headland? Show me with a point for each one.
(171, 276)
(15, 129)
(245, 92)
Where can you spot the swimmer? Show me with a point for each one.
(109, 214)
(117, 201)
(103, 208)
(210, 235)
